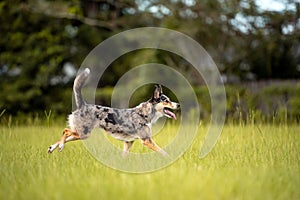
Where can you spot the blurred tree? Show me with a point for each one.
(247, 42)
(31, 50)
(43, 42)
(275, 46)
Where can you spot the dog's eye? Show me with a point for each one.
(163, 98)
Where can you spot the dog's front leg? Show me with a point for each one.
(151, 144)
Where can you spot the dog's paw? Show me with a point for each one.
(163, 153)
(52, 148)
(125, 154)
(61, 146)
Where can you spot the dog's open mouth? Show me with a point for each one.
(168, 113)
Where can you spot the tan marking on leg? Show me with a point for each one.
(72, 137)
(67, 136)
(151, 144)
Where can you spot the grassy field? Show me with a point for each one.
(248, 162)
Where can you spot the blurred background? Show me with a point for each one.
(255, 44)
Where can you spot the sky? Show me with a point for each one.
(274, 5)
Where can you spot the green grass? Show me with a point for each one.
(248, 162)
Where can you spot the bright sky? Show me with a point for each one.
(275, 5)
(270, 5)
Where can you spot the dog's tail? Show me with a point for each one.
(78, 84)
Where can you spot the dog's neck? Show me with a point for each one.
(148, 112)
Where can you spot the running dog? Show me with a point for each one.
(123, 124)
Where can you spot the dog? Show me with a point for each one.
(126, 125)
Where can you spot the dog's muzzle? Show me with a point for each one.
(168, 111)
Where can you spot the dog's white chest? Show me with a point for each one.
(124, 137)
(156, 117)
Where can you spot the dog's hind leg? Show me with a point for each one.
(151, 144)
(127, 146)
(67, 136)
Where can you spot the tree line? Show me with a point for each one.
(43, 43)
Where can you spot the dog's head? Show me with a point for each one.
(163, 104)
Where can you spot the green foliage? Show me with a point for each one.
(103, 96)
(33, 51)
(275, 103)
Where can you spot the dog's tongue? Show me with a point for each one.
(171, 114)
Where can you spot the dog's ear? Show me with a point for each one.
(157, 92)
(160, 89)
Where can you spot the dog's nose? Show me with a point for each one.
(178, 105)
